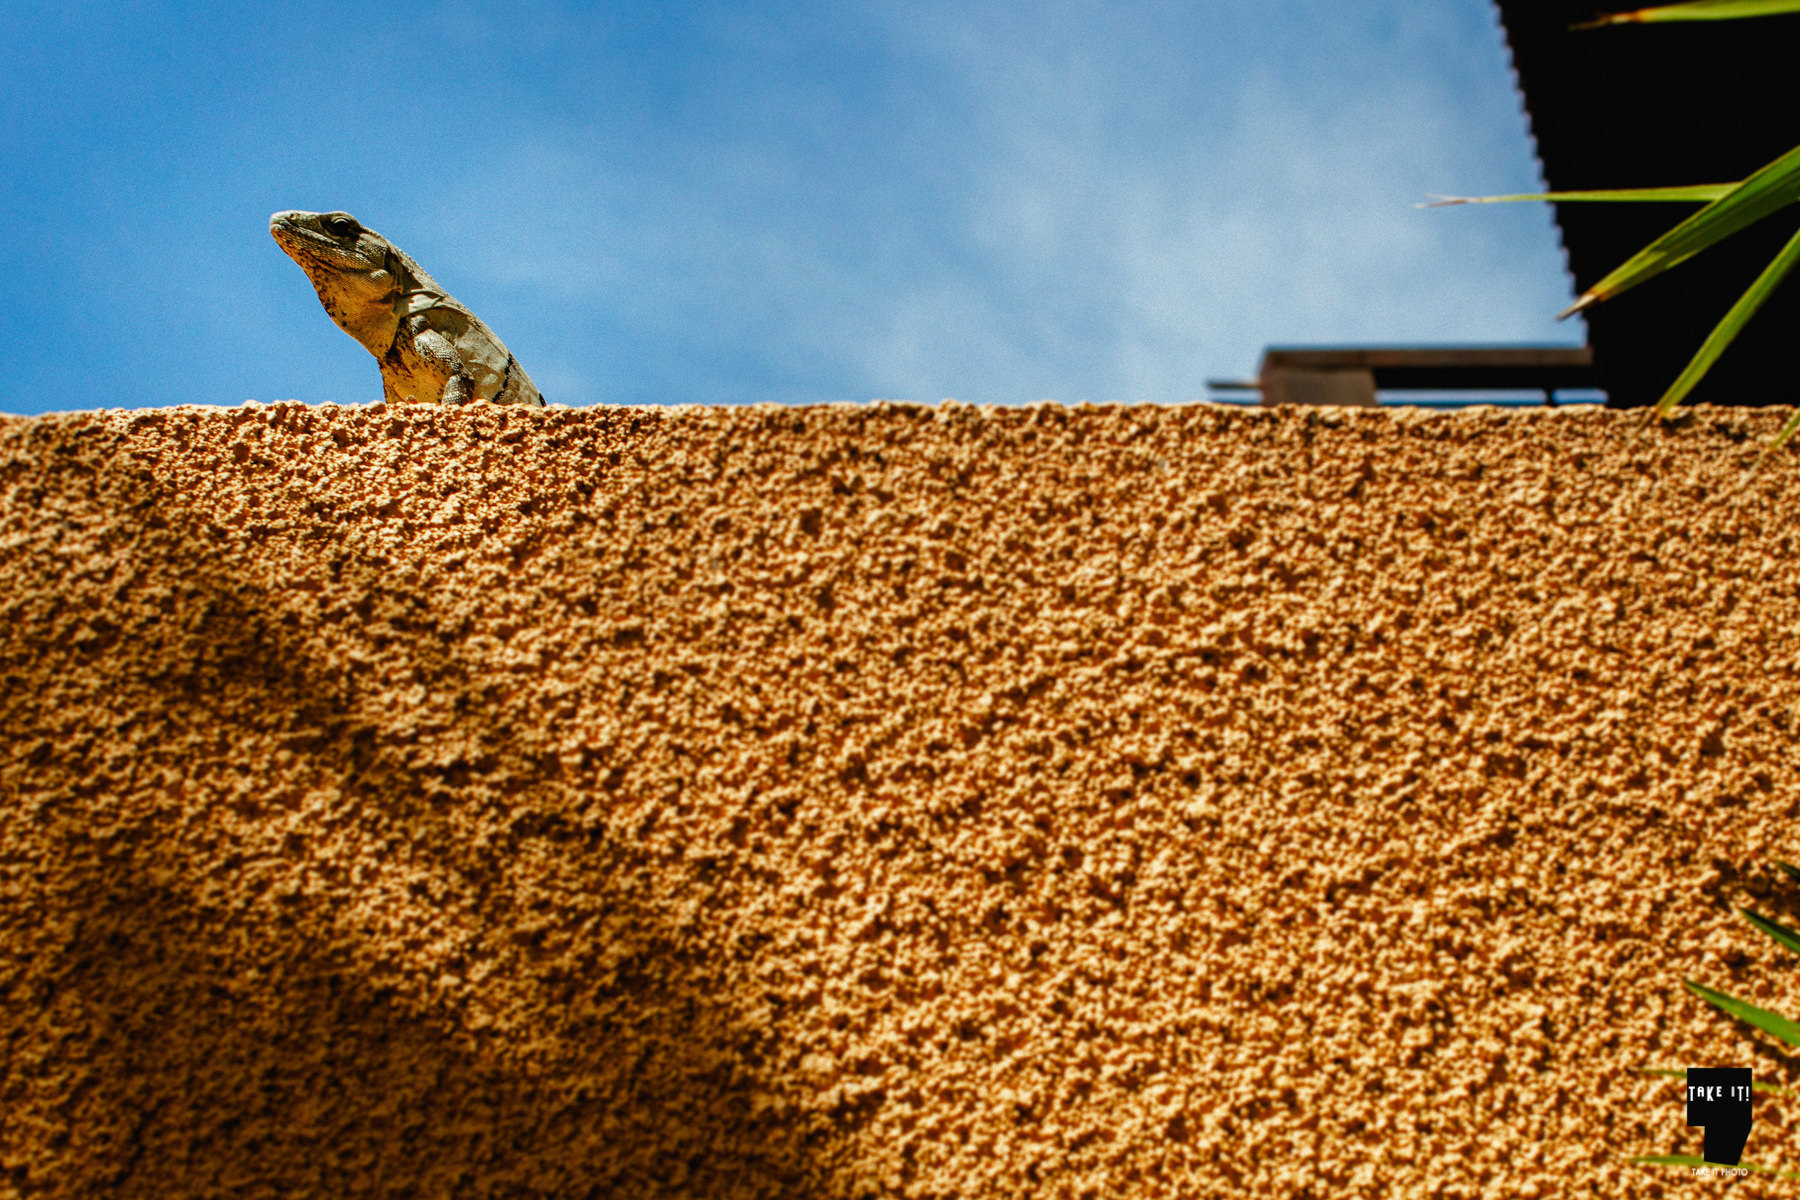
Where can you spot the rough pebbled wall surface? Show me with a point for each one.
(885, 801)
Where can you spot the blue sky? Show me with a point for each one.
(791, 201)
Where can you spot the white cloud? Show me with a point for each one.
(1079, 201)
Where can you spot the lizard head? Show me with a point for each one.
(351, 267)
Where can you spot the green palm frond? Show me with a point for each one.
(1728, 209)
(1693, 1160)
(1695, 10)
(1727, 329)
(1771, 1023)
(1769, 190)
(1775, 929)
(1698, 193)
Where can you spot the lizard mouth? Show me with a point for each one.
(290, 233)
(305, 245)
(290, 237)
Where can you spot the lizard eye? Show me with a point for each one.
(339, 224)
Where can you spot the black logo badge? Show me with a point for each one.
(1719, 1098)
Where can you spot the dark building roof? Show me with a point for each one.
(1665, 104)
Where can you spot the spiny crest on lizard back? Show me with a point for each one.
(431, 348)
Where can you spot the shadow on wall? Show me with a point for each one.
(848, 801)
(265, 867)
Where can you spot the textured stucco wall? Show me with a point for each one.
(885, 801)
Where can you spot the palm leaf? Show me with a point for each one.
(1770, 189)
(1695, 10)
(1787, 431)
(1692, 1160)
(1761, 1018)
(1699, 192)
(1775, 929)
(1728, 329)
(1769, 1022)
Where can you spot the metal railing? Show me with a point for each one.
(1422, 376)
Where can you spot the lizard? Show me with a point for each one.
(431, 348)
